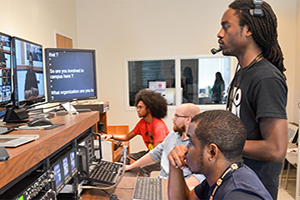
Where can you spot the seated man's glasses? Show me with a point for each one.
(183, 116)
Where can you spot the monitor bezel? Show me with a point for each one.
(47, 70)
(15, 92)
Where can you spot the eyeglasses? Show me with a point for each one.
(183, 116)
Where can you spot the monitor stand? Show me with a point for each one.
(16, 115)
(69, 108)
(72, 110)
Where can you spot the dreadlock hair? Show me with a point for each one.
(154, 101)
(224, 129)
(264, 29)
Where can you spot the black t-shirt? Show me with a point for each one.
(260, 91)
(241, 184)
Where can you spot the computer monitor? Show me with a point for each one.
(66, 167)
(70, 74)
(5, 68)
(58, 176)
(73, 161)
(28, 73)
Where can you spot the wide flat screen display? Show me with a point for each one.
(5, 68)
(28, 74)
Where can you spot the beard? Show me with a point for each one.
(179, 129)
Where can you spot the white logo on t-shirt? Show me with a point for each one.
(236, 104)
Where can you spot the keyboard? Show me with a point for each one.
(106, 172)
(147, 188)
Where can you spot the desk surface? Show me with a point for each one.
(123, 191)
(28, 155)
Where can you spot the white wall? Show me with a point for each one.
(297, 68)
(145, 28)
(37, 20)
(297, 92)
(119, 29)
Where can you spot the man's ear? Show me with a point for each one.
(247, 30)
(213, 151)
(188, 120)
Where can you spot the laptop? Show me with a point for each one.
(5, 130)
(147, 188)
(94, 169)
(16, 140)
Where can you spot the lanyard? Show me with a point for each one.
(231, 95)
(228, 171)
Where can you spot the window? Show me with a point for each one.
(200, 80)
(142, 73)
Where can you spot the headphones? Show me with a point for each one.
(257, 11)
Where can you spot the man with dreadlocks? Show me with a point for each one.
(258, 92)
(151, 108)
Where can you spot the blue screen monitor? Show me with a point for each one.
(5, 68)
(72, 160)
(66, 168)
(70, 74)
(58, 175)
(65, 162)
(28, 74)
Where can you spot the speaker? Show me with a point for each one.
(16, 115)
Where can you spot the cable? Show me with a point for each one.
(122, 188)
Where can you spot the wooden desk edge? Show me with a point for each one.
(29, 155)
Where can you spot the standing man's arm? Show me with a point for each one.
(274, 143)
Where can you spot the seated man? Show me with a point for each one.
(151, 107)
(182, 118)
(217, 140)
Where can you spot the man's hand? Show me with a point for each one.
(106, 137)
(177, 156)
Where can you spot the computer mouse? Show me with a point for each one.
(39, 122)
